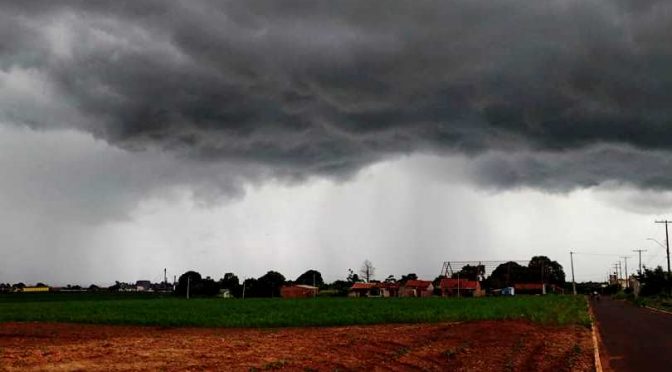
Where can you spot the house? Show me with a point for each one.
(364, 290)
(417, 288)
(298, 291)
(461, 287)
(389, 289)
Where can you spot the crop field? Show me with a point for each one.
(274, 312)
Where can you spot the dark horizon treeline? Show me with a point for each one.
(539, 269)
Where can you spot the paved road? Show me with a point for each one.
(635, 339)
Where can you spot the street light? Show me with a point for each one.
(657, 242)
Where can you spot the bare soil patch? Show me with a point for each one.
(474, 346)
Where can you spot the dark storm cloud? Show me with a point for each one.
(311, 87)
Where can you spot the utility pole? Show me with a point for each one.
(667, 243)
(165, 277)
(243, 288)
(640, 258)
(627, 281)
(188, 285)
(571, 259)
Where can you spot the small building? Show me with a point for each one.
(364, 290)
(508, 291)
(417, 288)
(460, 287)
(389, 289)
(298, 291)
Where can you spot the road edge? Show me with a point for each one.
(596, 344)
(652, 308)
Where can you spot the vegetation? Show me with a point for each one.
(145, 309)
(540, 269)
(655, 282)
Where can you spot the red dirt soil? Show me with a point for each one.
(474, 346)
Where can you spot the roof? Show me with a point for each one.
(450, 283)
(359, 285)
(418, 283)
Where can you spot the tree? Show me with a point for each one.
(367, 270)
(191, 279)
(231, 282)
(390, 279)
(469, 272)
(507, 274)
(268, 285)
(407, 277)
(352, 277)
(542, 269)
(310, 277)
(655, 282)
(341, 287)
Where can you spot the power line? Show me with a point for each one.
(598, 254)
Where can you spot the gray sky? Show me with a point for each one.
(257, 135)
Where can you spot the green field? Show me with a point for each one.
(215, 312)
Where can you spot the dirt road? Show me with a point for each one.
(633, 338)
(475, 346)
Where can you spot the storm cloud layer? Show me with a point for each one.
(552, 94)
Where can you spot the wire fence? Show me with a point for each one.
(485, 267)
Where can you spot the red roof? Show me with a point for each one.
(449, 283)
(421, 284)
(364, 285)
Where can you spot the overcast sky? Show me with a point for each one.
(258, 135)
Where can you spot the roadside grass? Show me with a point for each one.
(658, 302)
(215, 312)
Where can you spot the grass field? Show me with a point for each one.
(212, 312)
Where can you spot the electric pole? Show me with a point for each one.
(640, 258)
(667, 243)
(188, 284)
(571, 259)
(627, 281)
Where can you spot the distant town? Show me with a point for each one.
(539, 276)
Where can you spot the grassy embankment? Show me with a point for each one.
(215, 312)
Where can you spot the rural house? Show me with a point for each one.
(364, 290)
(417, 288)
(460, 287)
(389, 289)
